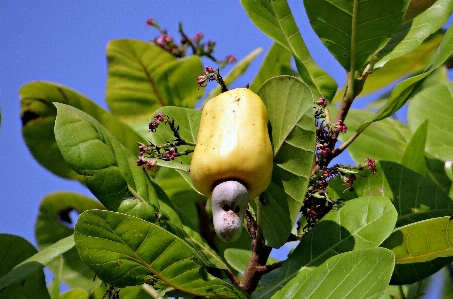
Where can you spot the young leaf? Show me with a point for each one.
(435, 105)
(53, 224)
(277, 62)
(405, 89)
(421, 249)
(414, 154)
(398, 68)
(289, 105)
(384, 140)
(354, 31)
(359, 224)
(143, 77)
(38, 119)
(21, 261)
(237, 70)
(414, 196)
(412, 33)
(125, 250)
(275, 19)
(357, 274)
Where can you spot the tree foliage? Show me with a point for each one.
(361, 229)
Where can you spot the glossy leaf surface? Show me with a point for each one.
(356, 274)
(412, 33)
(275, 19)
(125, 250)
(359, 224)
(354, 31)
(289, 105)
(414, 196)
(421, 249)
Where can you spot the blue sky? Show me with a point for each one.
(65, 41)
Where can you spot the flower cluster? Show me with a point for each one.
(195, 43)
(149, 154)
(158, 118)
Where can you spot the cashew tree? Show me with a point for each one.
(193, 191)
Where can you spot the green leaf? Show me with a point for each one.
(405, 89)
(75, 293)
(275, 19)
(384, 140)
(239, 258)
(289, 105)
(414, 196)
(414, 154)
(23, 262)
(410, 63)
(354, 31)
(411, 34)
(438, 173)
(421, 249)
(109, 168)
(143, 77)
(356, 274)
(435, 104)
(38, 119)
(53, 224)
(277, 62)
(237, 70)
(359, 224)
(125, 250)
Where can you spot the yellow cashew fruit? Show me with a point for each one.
(233, 143)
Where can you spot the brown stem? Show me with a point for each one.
(256, 266)
(232, 277)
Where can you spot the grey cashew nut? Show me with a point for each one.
(229, 204)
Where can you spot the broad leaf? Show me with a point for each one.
(435, 104)
(421, 249)
(237, 70)
(414, 154)
(289, 105)
(38, 118)
(109, 168)
(405, 89)
(415, 196)
(359, 224)
(384, 140)
(275, 19)
(357, 274)
(22, 266)
(277, 62)
(53, 224)
(354, 31)
(125, 250)
(143, 77)
(411, 34)
(410, 63)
